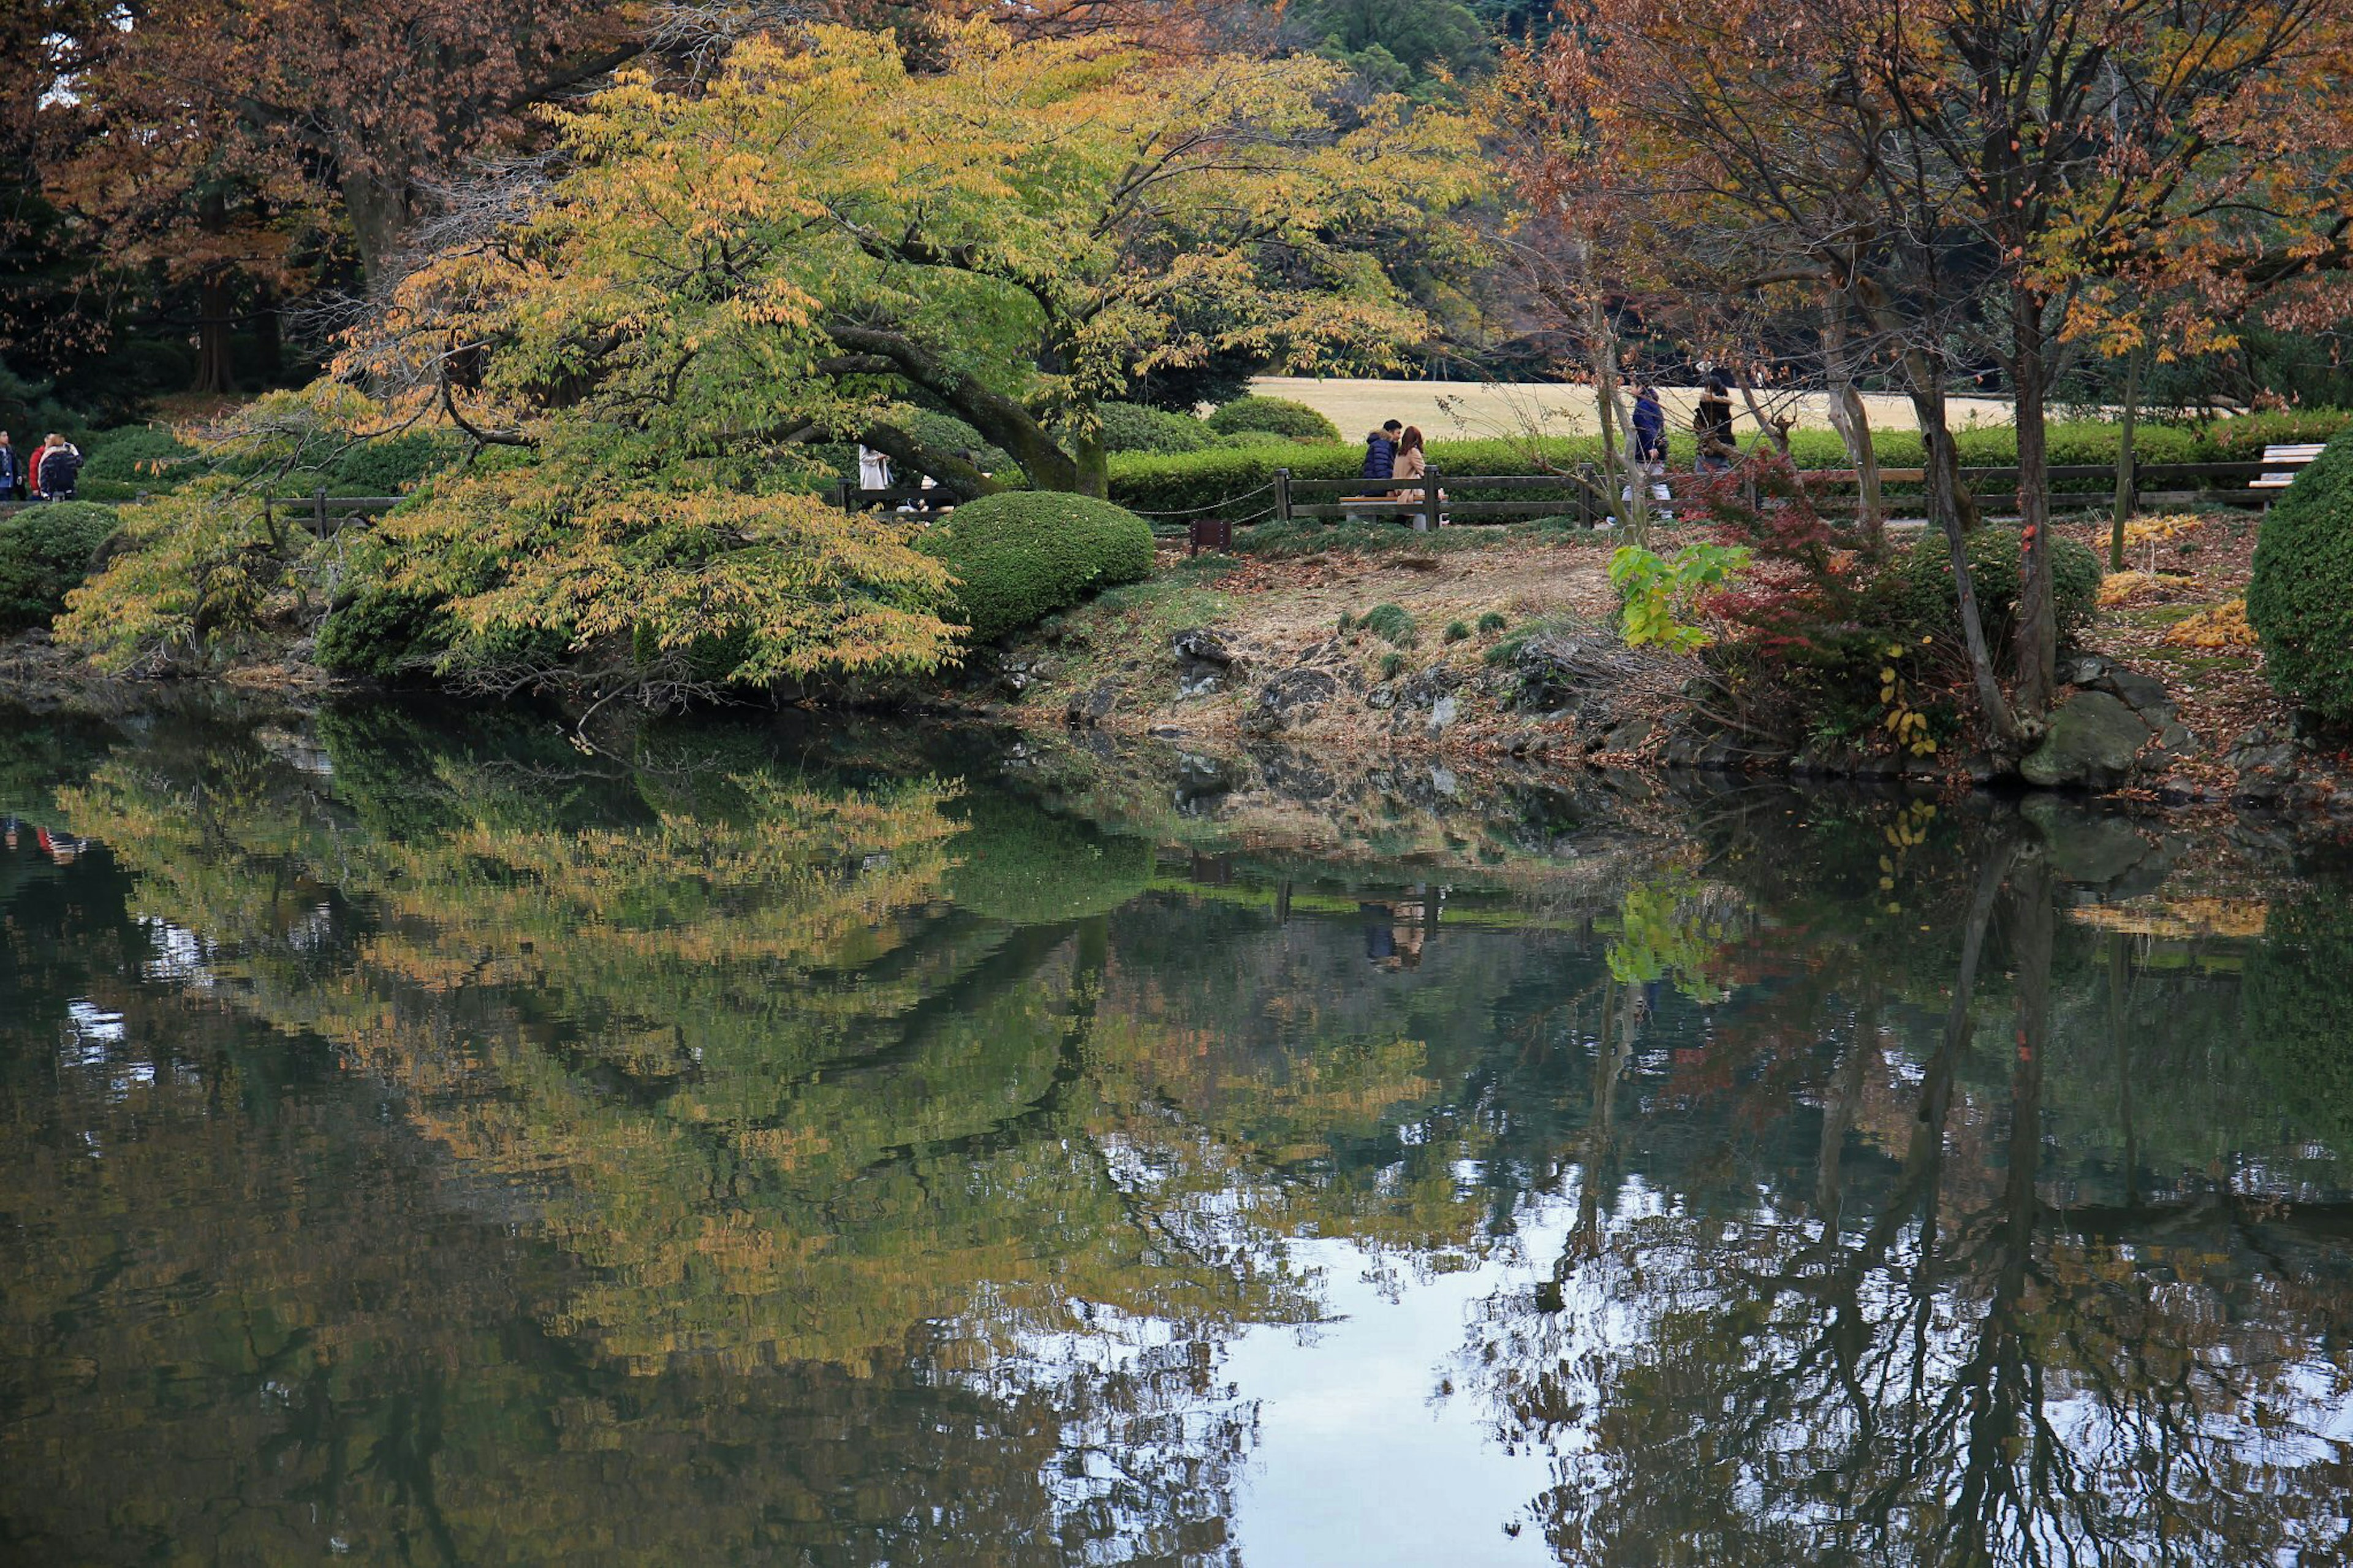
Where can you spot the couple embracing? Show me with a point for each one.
(1394, 452)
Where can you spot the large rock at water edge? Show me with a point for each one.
(1291, 698)
(2093, 743)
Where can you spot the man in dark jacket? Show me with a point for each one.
(1380, 451)
(59, 470)
(1650, 428)
(9, 469)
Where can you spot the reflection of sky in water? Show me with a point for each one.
(1361, 1459)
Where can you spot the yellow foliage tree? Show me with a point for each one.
(824, 233)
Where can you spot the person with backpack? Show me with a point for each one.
(60, 469)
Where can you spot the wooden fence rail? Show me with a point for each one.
(1587, 494)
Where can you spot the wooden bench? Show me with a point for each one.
(2292, 457)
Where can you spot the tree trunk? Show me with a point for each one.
(1775, 430)
(1950, 506)
(2125, 480)
(215, 306)
(269, 334)
(1851, 419)
(378, 210)
(1632, 504)
(2037, 648)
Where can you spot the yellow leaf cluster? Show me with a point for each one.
(2222, 626)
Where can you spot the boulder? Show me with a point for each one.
(2093, 743)
(1091, 706)
(1289, 699)
(2138, 691)
(1205, 662)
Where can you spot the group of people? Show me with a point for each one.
(50, 473)
(1394, 453)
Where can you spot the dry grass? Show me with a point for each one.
(1458, 409)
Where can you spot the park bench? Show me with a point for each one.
(2290, 458)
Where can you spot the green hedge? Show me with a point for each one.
(1020, 555)
(1218, 481)
(1929, 603)
(1276, 416)
(45, 551)
(2242, 439)
(2300, 596)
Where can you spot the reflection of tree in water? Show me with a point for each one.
(1914, 1356)
(863, 1244)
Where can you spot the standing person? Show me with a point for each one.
(9, 472)
(1380, 451)
(60, 467)
(1711, 421)
(32, 476)
(1650, 440)
(873, 469)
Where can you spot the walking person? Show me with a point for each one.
(11, 475)
(1712, 423)
(60, 467)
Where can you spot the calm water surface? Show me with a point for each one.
(425, 1145)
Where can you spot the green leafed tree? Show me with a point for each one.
(823, 237)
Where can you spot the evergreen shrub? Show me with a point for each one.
(45, 551)
(1929, 605)
(1282, 416)
(1020, 555)
(2300, 596)
(1133, 427)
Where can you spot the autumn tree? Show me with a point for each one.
(1984, 168)
(361, 108)
(822, 235)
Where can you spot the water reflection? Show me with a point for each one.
(427, 1144)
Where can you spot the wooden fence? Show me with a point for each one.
(1585, 494)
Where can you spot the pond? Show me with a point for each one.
(430, 1143)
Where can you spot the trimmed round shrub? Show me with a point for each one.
(2300, 597)
(1020, 555)
(45, 551)
(1133, 427)
(946, 433)
(1282, 417)
(391, 465)
(1925, 584)
(137, 458)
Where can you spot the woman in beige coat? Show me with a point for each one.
(1411, 465)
